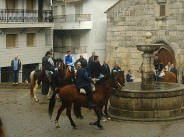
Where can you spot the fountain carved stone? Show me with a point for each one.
(145, 102)
(147, 72)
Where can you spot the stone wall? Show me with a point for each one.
(128, 22)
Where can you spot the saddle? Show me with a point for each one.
(83, 91)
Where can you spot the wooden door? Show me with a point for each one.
(10, 4)
(29, 4)
(165, 56)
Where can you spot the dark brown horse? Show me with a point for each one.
(1, 129)
(69, 95)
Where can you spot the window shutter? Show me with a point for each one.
(162, 10)
(11, 40)
(30, 39)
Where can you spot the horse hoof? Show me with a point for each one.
(100, 127)
(108, 118)
(36, 100)
(57, 126)
(93, 123)
(74, 127)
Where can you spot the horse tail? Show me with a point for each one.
(32, 82)
(77, 110)
(52, 103)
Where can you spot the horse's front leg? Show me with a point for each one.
(98, 113)
(49, 93)
(60, 110)
(34, 92)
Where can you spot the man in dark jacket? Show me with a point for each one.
(174, 70)
(84, 81)
(105, 69)
(16, 66)
(116, 68)
(83, 61)
(95, 68)
(48, 67)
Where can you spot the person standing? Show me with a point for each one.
(129, 76)
(83, 61)
(15, 66)
(105, 69)
(156, 63)
(168, 66)
(95, 68)
(91, 59)
(116, 68)
(174, 70)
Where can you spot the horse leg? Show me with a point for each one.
(68, 113)
(98, 113)
(34, 91)
(49, 93)
(60, 110)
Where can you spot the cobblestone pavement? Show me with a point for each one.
(24, 118)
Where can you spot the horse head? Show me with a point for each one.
(118, 80)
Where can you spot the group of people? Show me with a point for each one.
(161, 69)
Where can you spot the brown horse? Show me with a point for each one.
(1, 129)
(69, 94)
(169, 77)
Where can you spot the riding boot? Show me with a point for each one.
(90, 100)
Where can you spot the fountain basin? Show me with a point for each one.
(149, 48)
(164, 102)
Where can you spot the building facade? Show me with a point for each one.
(80, 26)
(129, 20)
(26, 30)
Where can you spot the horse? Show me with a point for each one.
(169, 77)
(63, 77)
(69, 95)
(1, 129)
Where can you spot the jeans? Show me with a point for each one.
(16, 76)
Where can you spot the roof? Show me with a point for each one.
(113, 6)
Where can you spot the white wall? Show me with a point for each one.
(28, 55)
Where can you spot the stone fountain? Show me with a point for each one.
(144, 101)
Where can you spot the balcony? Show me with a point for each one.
(29, 18)
(73, 21)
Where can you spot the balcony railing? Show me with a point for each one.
(22, 15)
(72, 18)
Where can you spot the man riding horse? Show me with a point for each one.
(84, 81)
(48, 65)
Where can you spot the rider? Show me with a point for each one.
(48, 65)
(69, 61)
(84, 81)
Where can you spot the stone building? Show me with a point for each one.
(129, 20)
(80, 26)
(26, 30)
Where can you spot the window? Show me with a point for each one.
(10, 4)
(29, 4)
(31, 39)
(162, 10)
(11, 40)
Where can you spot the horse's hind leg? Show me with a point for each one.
(34, 91)
(68, 113)
(60, 110)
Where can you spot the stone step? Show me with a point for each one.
(11, 85)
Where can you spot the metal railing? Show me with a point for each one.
(72, 18)
(22, 15)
